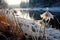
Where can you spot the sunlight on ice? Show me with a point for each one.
(25, 15)
(13, 2)
(25, 1)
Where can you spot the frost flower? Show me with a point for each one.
(40, 22)
(47, 16)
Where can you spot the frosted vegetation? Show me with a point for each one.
(31, 28)
(35, 28)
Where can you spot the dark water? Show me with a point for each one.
(44, 3)
(55, 22)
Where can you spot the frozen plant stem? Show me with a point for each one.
(44, 35)
(15, 22)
